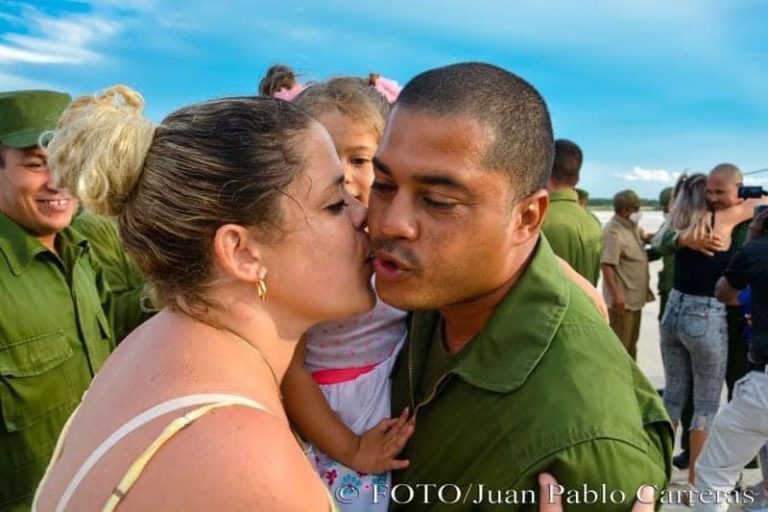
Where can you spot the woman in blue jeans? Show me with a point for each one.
(694, 336)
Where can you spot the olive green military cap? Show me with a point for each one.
(626, 199)
(26, 115)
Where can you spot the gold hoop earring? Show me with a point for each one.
(261, 290)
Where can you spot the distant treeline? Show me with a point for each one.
(607, 203)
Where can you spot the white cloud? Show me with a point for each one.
(12, 82)
(49, 40)
(640, 174)
(757, 179)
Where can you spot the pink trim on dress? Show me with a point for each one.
(338, 375)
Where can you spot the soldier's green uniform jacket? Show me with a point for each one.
(54, 337)
(545, 386)
(574, 234)
(120, 271)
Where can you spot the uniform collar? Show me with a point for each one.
(519, 332)
(625, 222)
(564, 194)
(20, 247)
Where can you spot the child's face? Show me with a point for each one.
(356, 143)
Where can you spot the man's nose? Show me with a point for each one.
(50, 179)
(395, 220)
(52, 182)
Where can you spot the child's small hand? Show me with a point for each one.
(379, 446)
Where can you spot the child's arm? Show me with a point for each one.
(373, 452)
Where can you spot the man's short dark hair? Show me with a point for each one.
(568, 159)
(513, 111)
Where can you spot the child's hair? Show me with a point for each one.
(356, 98)
(173, 185)
(689, 211)
(278, 77)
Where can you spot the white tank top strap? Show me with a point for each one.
(134, 424)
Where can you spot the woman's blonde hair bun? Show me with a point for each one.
(99, 147)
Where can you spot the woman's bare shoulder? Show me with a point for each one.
(233, 458)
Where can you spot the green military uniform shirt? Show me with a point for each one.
(545, 386)
(120, 271)
(54, 337)
(574, 234)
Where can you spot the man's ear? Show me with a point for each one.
(529, 213)
(238, 253)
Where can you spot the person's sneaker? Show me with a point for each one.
(681, 460)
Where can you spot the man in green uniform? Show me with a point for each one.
(510, 370)
(583, 197)
(584, 203)
(570, 230)
(120, 272)
(54, 304)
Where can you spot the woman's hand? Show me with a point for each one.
(645, 501)
(707, 245)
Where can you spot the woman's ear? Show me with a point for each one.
(530, 212)
(238, 253)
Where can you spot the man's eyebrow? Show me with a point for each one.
(33, 153)
(441, 180)
(436, 179)
(381, 166)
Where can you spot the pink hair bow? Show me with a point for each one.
(390, 89)
(289, 94)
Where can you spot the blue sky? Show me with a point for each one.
(648, 88)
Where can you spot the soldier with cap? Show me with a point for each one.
(626, 278)
(55, 331)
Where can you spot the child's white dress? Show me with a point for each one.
(351, 361)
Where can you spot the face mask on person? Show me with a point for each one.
(635, 217)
